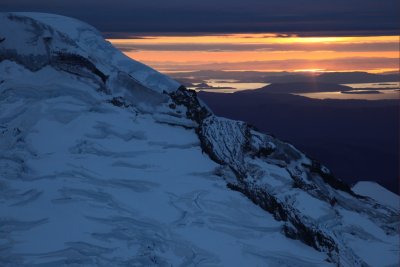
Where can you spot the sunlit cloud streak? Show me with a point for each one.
(343, 64)
(264, 51)
(226, 47)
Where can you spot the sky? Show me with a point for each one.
(291, 35)
(322, 17)
(264, 52)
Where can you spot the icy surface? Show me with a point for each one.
(85, 182)
(105, 162)
(377, 192)
(38, 36)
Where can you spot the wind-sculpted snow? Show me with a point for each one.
(87, 182)
(100, 166)
(36, 40)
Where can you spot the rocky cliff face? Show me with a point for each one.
(104, 161)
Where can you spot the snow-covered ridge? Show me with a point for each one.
(39, 39)
(378, 193)
(106, 162)
(317, 208)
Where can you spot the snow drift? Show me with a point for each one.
(106, 162)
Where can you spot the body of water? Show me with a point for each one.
(366, 91)
(382, 85)
(356, 94)
(229, 86)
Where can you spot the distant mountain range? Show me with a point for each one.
(303, 87)
(286, 77)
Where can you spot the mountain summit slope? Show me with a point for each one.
(71, 45)
(106, 162)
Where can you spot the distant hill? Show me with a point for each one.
(334, 77)
(287, 77)
(356, 77)
(304, 87)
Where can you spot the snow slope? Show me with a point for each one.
(37, 39)
(106, 162)
(378, 193)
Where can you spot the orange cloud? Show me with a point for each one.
(232, 50)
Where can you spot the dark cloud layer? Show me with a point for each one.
(228, 47)
(304, 17)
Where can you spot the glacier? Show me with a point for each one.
(106, 162)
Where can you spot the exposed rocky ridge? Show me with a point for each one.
(235, 144)
(312, 204)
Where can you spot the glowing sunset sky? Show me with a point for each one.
(266, 35)
(264, 52)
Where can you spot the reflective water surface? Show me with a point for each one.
(367, 91)
(356, 94)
